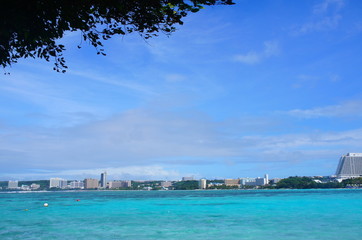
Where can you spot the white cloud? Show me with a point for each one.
(326, 5)
(346, 109)
(140, 144)
(271, 48)
(115, 81)
(135, 137)
(249, 58)
(175, 77)
(326, 16)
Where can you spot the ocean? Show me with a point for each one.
(183, 215)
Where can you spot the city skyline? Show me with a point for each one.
(266, 86)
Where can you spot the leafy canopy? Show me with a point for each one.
(30, 28)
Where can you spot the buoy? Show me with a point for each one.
(46, 204)
(26, 209)
(77, 200)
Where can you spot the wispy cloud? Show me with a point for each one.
(175, 77)
(132, 138)
(49, 98)
(326, 16)
(115, 81)
(271, 48)
(328, 5)
(346, 110)
(141, 143)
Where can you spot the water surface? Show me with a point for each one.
(230, 214)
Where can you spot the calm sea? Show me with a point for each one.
(185, 215)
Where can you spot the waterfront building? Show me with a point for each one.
(349, 166)
(202, 184)
(103, 182)
(259, 181)
(232, 182)
(76, 185)
(119, 184)
(58, 183)
(25, 187)
(166, 184)
(247, 181)
(275, 180)
(13, 185)
(255, 181)
(90, 183)
(34, 186)
(187, 178)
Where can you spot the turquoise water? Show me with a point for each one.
(233, 214)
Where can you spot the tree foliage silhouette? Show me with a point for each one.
(31, 28)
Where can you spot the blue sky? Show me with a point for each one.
(237, 91)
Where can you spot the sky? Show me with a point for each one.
(269, 86)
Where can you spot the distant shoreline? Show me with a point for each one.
(194, 190)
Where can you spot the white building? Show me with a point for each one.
(58, 183)
(25, 187)
(13, 185)
(34, 186)
(202, 183)
(349, 166)
(255, 181)
(76, 185)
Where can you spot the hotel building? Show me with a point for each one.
(90, 183)
(119, 184)
(57, 183)
(202, 183)
(103, 182)
(13, 185)
(350, 166)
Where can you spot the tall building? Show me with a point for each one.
(255, 181)
(90, 183)
(350, 166)
(76, 185)
(119, 184)
(187, 178)
(13, 185)
(232, 182)
(58, 183)
(103, 182)
(202, 183)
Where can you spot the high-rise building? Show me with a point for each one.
(13, 185)
(232, 182)
(58, 183)
(187, 178)
(90, 183)
(202, 183)
(76, 185)
(119, 184)
(103, 182)
(255, 181)
(350, 166)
